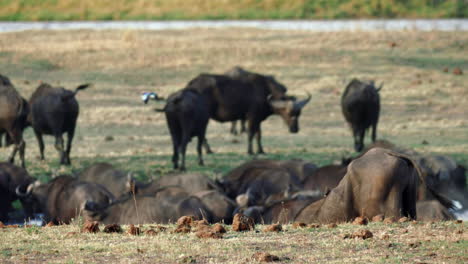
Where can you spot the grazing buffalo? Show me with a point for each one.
(379, 182)
(13, 117)
(54, 111)
(187, 116)
(360, 104)
(11, 178)
(432, 210)
(165, 206)
(230, 99)
(64, 197)
(116, 181)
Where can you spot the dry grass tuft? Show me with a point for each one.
(273, 228)
(90, 227)
(360, 221)
(264, 257)
(133, 230)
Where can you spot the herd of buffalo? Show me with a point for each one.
(384, 180)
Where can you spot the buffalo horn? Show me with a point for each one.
(300, 104)
(380, 87)
(19, 193)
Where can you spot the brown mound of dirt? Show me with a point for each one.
(273, 228)
(2, 225)
(218, 228)
(389, 220)
(113, 228)
(185, 220)
(207, 233)
(378, 218)
(264, 257)
(49, 224)
(403, 220)
(151, 232)
(313, 226)
(90, 227)
(183, 229)
(299, 225)
(363, 233)
(332, 225)
(242, 222)
(133, 230)
(360, 221)
(457, 71)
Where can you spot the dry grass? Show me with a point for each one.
(444, 242)
(121, 64)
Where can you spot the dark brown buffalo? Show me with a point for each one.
(229, 99)
(246, 76)
(63, 198)
(13, 117)
(116, 181)
(379, 182)
(220, 206)
(325, 178)
(432, 210)
(360, 104)
(54, 111)
(190, 182)
(255, 181)
(12, 178)
(187, 116)
(166, 206)
(283, 212)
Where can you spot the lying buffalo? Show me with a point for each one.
(432, 210)
(116, 181)
(187, 116)
(54, 111)
(255, 182)
(219, 205)
(165, 206)
(379, 182)
(11, 178)
(325, 178)
(64, 197)
(360, 104)
(230, 99)
(13, 117)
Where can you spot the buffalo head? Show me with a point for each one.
(33, 197)
(289, 108)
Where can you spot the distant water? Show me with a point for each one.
(309, 25)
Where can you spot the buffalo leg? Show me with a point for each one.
(175, 151)
(40, 142)
(59, 147)
(259, 141)
(253, 129)
(374, 132)
(233, 128)
(70, 135)
(358, 139)
(207, 146)
(201, 139)
(182, 149)
(243, 129)
(20, 145)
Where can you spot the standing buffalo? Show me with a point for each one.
(13, 117)
(360, 104)
(54, 111)
(254, 99)
(187, 116)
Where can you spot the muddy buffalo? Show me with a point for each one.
(379, 182)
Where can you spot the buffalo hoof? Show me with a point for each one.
(201, 163)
